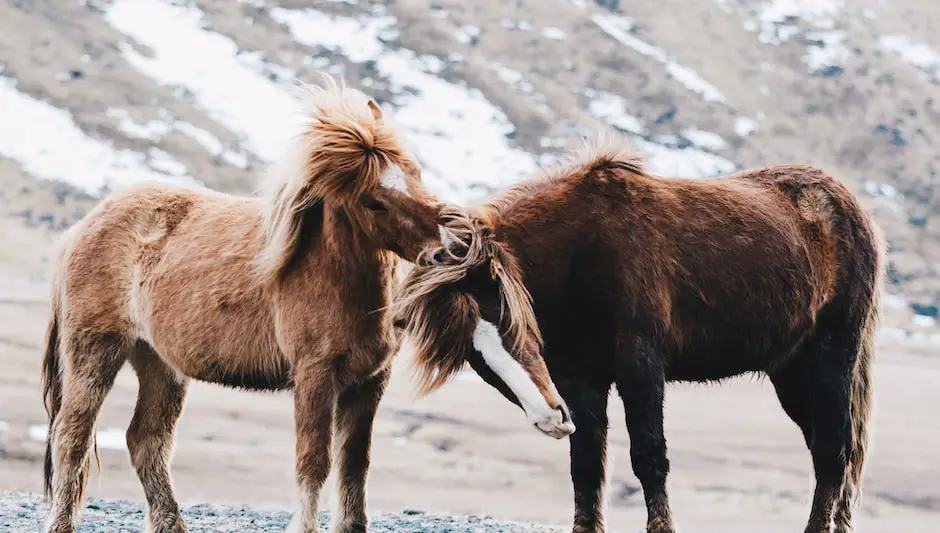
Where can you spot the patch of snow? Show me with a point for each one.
(827, 50)
(613, 109)
(662, 159)
(516, 24)
(880, 189)
(923, 321)
(467, 33)
(555, 34)
(682, 162)
(744, 126)
(892, 333)
(460, 137)
(398, 442)
(513, 78)
(705, 139)
(619, 28)
(812, 22)
(895, 301)
(49, 145)
(38, 432)
(207, 64)
(112, 439)
(779, 19)
(4, 426)
(108, 438)
(886, 196)
(919, 55)
(156, 130)
(548, 142)
(165, 163)
(212, 144)
(153, 130)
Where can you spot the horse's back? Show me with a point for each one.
(757, 258)
(147, 259)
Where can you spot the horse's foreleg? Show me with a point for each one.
(160, 398)
(588, 406)
(641, 384)
(94, 362)
(355, 412)
(314, 399)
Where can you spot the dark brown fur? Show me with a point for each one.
(638, 280)
(286, 289)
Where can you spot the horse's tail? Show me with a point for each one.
(342, 152)
(862, 394)
(51, 383)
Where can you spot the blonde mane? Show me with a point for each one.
(341, 153)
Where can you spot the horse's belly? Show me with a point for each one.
(217, 338)
(736, 349)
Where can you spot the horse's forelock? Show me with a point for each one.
(439, 318)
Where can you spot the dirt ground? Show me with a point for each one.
(739, 464)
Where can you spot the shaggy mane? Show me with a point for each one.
(606, 150)
(342, 151)
(438, 349)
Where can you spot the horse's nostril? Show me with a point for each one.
(565, 415)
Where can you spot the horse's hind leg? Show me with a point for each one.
(150, 436)
(93, 362)
(355, 413)
(815, 389)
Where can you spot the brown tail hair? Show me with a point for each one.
(342, 152)
(862, 399)
(51, 383)
(51, 388)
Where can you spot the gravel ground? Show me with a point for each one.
(25, 513)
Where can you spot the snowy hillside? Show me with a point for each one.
(95, 94)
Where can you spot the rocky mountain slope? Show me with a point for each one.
(102, 92)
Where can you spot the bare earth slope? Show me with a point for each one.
(102, 93)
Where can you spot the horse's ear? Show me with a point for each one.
(376, 111)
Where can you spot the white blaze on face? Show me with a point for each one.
(446, 239)
(487, 341)
(395, 179)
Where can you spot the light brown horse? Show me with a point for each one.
(634, 280)
(287, 289)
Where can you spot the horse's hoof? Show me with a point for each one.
(660, 525)
(169, 524)
(587, 529)
(351, 528)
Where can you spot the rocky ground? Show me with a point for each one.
(23, 512)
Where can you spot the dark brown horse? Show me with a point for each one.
(636, 281)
